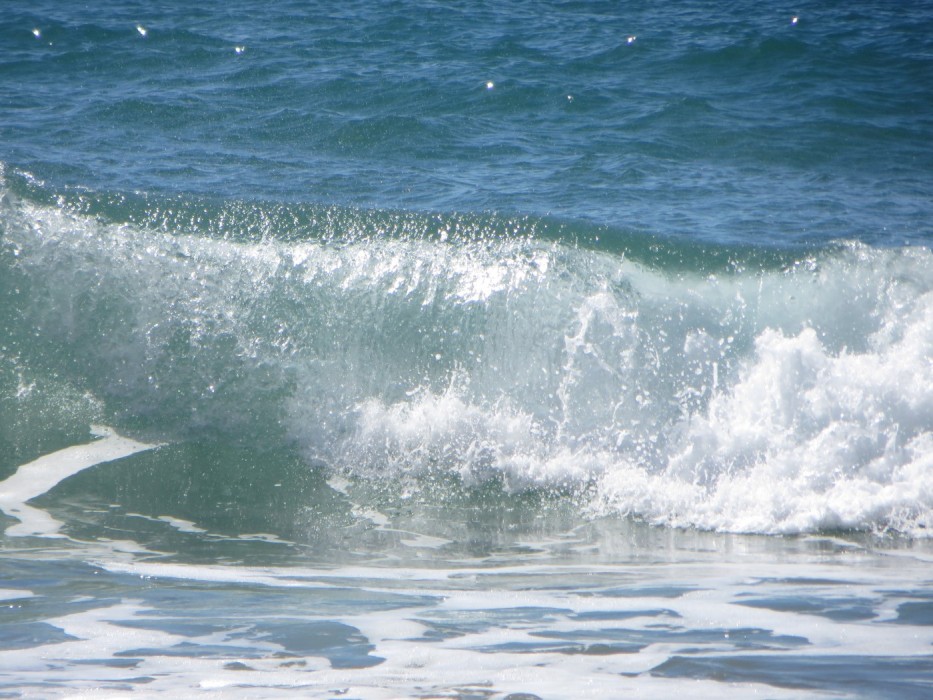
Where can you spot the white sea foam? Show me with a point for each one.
(805, 440)
(14, 594)
(41, 475)
(509, 637)
(804, 434)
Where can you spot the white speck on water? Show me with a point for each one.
(36, 33)
(490, 85)
(239, 49)
(631, 39)
(142, 30)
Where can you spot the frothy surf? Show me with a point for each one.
(41, 475)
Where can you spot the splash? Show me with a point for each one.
(778, 393)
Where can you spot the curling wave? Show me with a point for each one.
(756, 391)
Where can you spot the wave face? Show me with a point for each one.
(721, 388)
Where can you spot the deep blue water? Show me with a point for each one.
(727, 124)
(398, 349)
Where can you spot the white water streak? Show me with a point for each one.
(41, 475)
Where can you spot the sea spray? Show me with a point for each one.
(785, 397)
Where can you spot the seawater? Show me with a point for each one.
(391, 350)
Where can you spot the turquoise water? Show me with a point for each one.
(399, 350)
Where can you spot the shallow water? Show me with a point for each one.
(464, 595)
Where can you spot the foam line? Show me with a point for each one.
(41, 475)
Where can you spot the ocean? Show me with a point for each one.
(493, 351)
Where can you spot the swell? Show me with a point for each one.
(756, 390)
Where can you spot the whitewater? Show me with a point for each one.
(786, 398)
